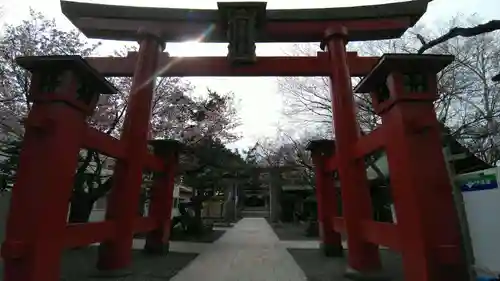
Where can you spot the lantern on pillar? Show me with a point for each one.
(161, 202)
(242, 22)
(64, 91)
(163, 147)
(168, 150)
(328, 203)
(68, 79)
(321, 147)
(399, 77)
(403, 89)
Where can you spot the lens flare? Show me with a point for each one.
(161, 70)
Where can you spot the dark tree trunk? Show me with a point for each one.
(198, 222)
(196, 225)
(81, 207)
(82, 202)
(197, 211)
(312, 229)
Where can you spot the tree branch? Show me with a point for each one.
(496, 78)
(460, 31)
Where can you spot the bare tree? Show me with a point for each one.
(459, 31)
(468, 98)
(288, 149)
(469, 102)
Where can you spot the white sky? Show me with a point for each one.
(260, 105)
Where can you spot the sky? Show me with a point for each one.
(260, 105)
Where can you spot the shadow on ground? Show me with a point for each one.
(320, 268)
(223, 224)
(207, 237)
(292, 232)
(79, 265)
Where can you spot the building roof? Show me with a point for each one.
(463, 160)
(469, 162)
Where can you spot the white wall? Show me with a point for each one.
(98, 214)
(483, 215)
(99, 210)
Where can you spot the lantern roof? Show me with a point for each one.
(72, 62)
(404, 63)
(321, 145)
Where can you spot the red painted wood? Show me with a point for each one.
(382, 233)
(339, 225)
(60, 97)
(116, 253)
(370, 143)
(112, 147)
(82, 234)
(153, 163)
(37, 219)
(330, 164)
(144, 224)
(449, 254)
(421, 188)
(356, 201)
(160, 208)
(220, 66)
(327, 201)
(105, 144)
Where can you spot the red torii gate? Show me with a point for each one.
(65, 90)
(403, 89)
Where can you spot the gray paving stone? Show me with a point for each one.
(249, 251)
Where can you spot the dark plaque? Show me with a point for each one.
(242, 22)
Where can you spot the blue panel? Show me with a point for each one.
(478, 182)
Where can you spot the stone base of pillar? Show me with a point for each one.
(331, 250)
(156, 249)
(353, 274)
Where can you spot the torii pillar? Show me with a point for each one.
(322, 154)
(363, 257)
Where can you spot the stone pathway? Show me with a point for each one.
(249, 251)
